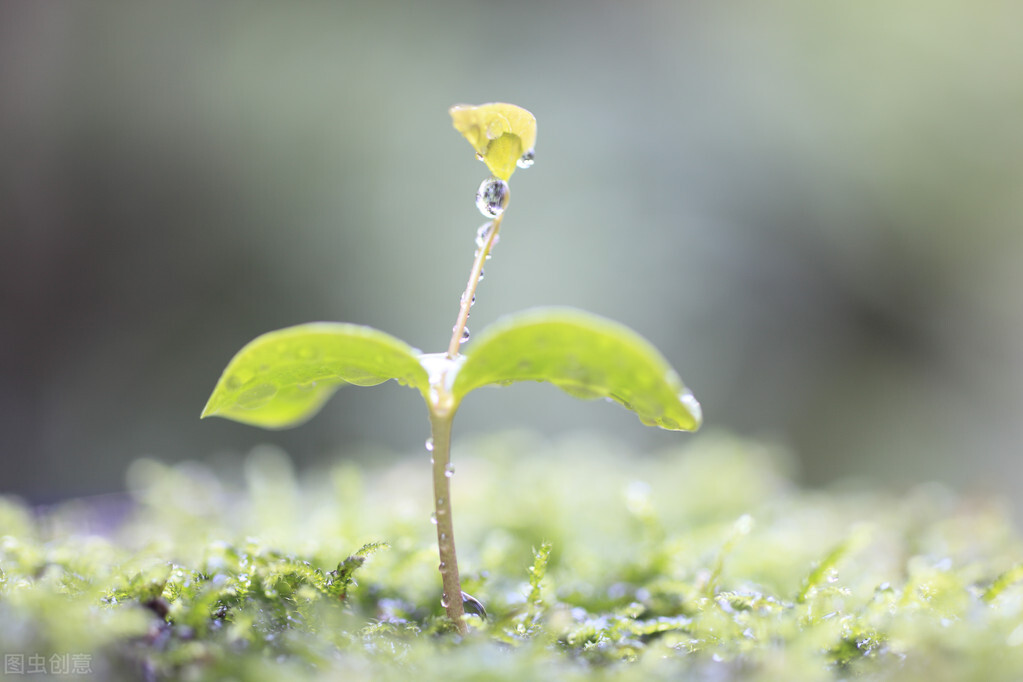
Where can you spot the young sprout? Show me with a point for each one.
(283, 378)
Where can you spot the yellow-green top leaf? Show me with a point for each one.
(283, 378)
(500, 133)
(585, 355)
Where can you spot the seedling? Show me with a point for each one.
(284, 377)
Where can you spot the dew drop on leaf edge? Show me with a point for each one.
(527, 159)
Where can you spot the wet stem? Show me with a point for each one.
(442, 408)
(440, 424)
(470, 288)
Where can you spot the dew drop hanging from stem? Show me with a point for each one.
(492, 197)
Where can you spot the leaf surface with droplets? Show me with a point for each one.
(284, 377)
(587, 356)
(500, 133)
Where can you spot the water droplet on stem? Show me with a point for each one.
(483, 233)
(449, 470)
(492, 197)
(429, 444)
(465, 335)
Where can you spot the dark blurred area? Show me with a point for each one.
(813, 209)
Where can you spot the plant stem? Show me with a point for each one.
(440, 426)
(442, 408)
(470, 287)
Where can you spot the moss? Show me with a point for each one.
(593, 563)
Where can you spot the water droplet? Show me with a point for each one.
(497, 127)
(444, 600)
(691, 404)
(527, 159)
(473, 605)
(479, 156)
(429, 444)
(433, 518)
(240, 378)
(481, 276)
(483, 233)
(492, 197)
(442, 566)
(256, 396)
(465, 335)
(442, 538)
(449, 470)
(440, 501)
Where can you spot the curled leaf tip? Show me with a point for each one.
(502, 134)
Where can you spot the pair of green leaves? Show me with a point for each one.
(284, 377)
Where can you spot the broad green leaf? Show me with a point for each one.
(586, 355)
(500, 133)
(283, 378)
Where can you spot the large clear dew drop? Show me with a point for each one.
(492, 197)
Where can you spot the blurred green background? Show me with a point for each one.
(814, 210)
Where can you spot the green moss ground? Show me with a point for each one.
(703, 563)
